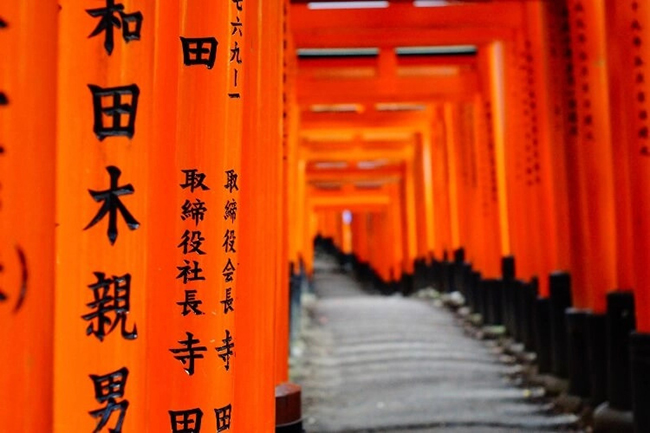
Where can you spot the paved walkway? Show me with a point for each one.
(394, 364)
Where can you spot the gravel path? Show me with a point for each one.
(403, 365)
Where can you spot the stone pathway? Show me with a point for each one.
(403, 365)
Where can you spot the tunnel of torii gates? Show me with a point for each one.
(497, 148)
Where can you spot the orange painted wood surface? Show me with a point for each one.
(28, 47)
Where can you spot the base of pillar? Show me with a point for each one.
(288, 408)
(609, 420)
(597, 357)
(640, 363)
(578, 360)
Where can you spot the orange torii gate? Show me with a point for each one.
(146, 290)
(367, 154)
(522, 154)
(540, 159)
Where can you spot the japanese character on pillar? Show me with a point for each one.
(231, 181)
(224, 416)
(226, 351)
(114, 110)
(111, 204)
(229, 239)
(190, 272)
(194, 180)
(3, 102)
(109, 389)
(228, 301)
(228, 271)
(189, 352)
(199, 51)
(24, 276)
(190, 304)
(230, 210)
(186, 421)
(110, 306)
(191, 242)
(236, 32)
(3, 296)
(194, 211)
(112, 16)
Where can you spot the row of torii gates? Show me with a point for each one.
(498, 148)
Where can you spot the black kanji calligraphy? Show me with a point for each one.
(189, 352)
(110, 306)
(191, 242)
(193, 180)
(190, 272)
(224, 415)
(229, 241)
(228, 301)
(228, 271)
(236, 27)
(195, 211)
(238, 4)
(3, 296)
(186, 421)
(230, 210)
(109, 389)
(231, 181)
(226, 351)
(235, 54)
(3, 99)
(199, 51)
(111, 204)
(3, 24)
(190, 304)
(113, 16)
(235, 76)
(114, 110)
(22, 291)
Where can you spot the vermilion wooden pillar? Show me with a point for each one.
(521, 194)
(639, 154)
(289, 131)
(555, 73)
(497, 92)
(99, 153)
(546, 156)
(451, 128)
(487, 200)
(260, 217)
(28, 46)
(427, 190)
(409, 215)
(440, 187)
(631, 38)
(398, 249)
(595, 267)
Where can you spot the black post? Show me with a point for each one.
(492, 292)
(615, 415)
(517, 289)
(640, 367)
(529, 305)
(560, 296)
(543, 334)
(596, 334)
(508, 274)
(578, 368)
(621, 321)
